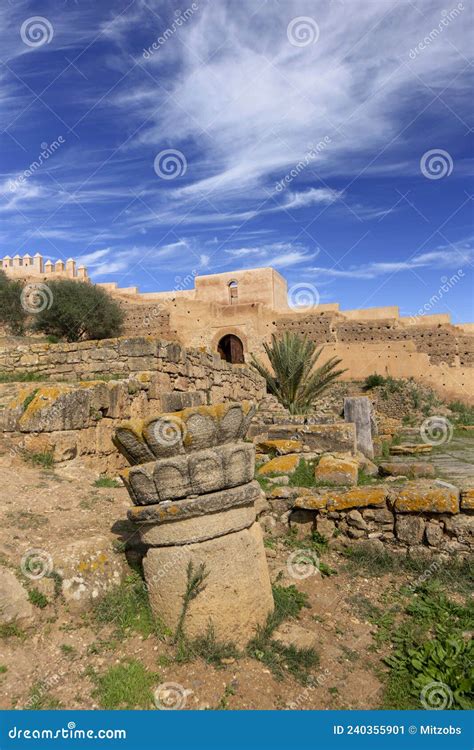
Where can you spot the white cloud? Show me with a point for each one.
(448, 257)
(312, 197)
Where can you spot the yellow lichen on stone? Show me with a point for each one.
(310, 502)
(358, 497)
(467, 499)
(333, 470)
(280, 465)
(282, 447)
(414, 498)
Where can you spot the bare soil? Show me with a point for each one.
(45, 509)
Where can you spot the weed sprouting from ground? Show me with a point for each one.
(277, 657)
(194, 585)
(45, 459)
(37, 598)
(107, 482)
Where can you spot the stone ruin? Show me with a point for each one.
(193, 489)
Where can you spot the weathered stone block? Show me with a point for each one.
(359, 497)
(281, 464)
(413, 470)
(358, 410)
(199, 528)
(409, 529)
(236, 595)
(324, 437)
(280, 447)
(429, 498)
(338, 471)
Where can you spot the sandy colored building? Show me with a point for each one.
(233, 313)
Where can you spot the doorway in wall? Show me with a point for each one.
(231, 349)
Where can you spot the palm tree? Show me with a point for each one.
(295, 381)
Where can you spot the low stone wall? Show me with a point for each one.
(78, 419)
(415, 517)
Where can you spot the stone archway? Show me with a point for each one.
(231, 348)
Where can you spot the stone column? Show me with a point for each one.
(192, 486)
(358, 409)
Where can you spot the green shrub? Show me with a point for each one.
(22, 377)
(372, 381)
(12, 313)
(79, 310)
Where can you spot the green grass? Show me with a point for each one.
(67, 650)
(45, 459)
(457, 575)
(107, 482)
(3, 669)
(126, 686)
(303, 476)
(464, 413)
(11, 630)
(37, 598)
(128, 609)
(282, 660)
(364, 479)
(22, 377)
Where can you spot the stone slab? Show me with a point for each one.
(340, 436)
(199, 528)
(358, 410)
(427, 497)
(200, 506)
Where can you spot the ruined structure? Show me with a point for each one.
(233, 313)
(192, 484)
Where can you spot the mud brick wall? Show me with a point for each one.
(317, 327)
(150, 319)
(443, 343)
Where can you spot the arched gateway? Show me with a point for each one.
(231, 349)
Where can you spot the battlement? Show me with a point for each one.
(27, 266)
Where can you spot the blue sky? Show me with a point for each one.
(183, 138)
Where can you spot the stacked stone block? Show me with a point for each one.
(191, 482)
